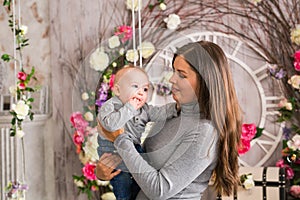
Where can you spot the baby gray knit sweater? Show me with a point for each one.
(181, 155)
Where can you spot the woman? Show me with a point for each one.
(184, 152)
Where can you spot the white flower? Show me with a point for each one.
(13, 90)
(162, 6)
(102, 183)
(99, 60)
(21, 109)
(122, 51)
(295, 35)
(108, 196)
(172, 21)
(294, 143)
(113, 42)
(284, 103)
(146, 49)
(78, 183)
(23, 29)
(20, 133)
(135, 5)
(84, 158)
(90, 148)
(295, 81)
(249, 183)
(85, 96)
(114, 64)
(132, 56)
(89, 116)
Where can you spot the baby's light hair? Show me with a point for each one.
(126, 69)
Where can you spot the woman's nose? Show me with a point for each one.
(172, 79)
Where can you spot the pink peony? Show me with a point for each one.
(22, 76)
(89, 171)
(78, 122)
(248, 131)
(244, 147)
(295, 191)
(125, 32)
(78, 138)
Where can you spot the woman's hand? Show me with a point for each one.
(111, 136)
(105, 168)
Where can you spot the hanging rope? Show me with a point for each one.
(139, 31)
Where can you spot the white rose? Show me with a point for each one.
(113, 42)
(23, 29)
(162, 6)
(135, 5)
(146, 49)
(249, 183)
(85, 96)
(99, 60)
(89, 116)
(295, 81)
(13, 90)
(132, 56)
(78, 183)
(20, 133)
(22, 109)
(172, 21)
(108, 196)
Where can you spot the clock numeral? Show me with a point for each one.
(272, 105)
(261, 72)
(263, 143)
(236, 49)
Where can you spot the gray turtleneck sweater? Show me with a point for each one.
(181, 155)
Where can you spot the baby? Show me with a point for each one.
(128, 109)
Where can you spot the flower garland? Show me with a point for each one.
(22, 108)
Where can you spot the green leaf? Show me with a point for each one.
(5, 57)
(258, 132)
(30, 99)
(31, 116)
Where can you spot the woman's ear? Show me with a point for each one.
(116, 90)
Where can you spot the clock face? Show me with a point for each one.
(258, 94)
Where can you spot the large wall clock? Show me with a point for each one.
(257, 92)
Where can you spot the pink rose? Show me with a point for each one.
(22, 76)
(297, 60)
(248, 131)
(244, 147)
(89, 171)
(94, 188)
(22, 86)
(295, 191)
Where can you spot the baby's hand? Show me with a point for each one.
(136, 103)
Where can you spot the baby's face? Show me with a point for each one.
(134, 84)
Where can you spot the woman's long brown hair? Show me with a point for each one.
(218, 102)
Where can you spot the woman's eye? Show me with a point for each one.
(135, 86)
(145, 89)
(181, 75)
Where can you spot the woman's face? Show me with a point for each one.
(184, 82)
